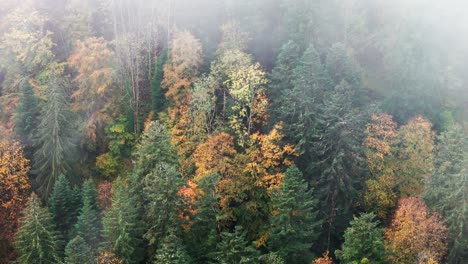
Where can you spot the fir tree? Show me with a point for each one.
(235, 248)
(294, 224)
(363, 241)
(55, 140)
(36, 239)
(157, 94)
(62, 207)
(122, 226)
(171, 251)
(88, 225)
(78, 252)
(446, 189)
(27, 112)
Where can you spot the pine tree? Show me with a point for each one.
(171, 251)
(204, 227)
(294, 223)
(339, 159)
(36, 239)
(446, 189)
(122, 226)
(78, 252)
(363, 241)
(88, 225)
(27, 112)
(157, 94)
(55, 139)
(234, 248)
(61, 206)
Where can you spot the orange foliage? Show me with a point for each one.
(269, 158)
(215, 155)
(105, 195)
(325, 259)
(14, 186)
(108, 257)
(380, 134)
(415, 235)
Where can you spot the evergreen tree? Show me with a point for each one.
(36, 239)
(234, 248)
(171, 251)
(54, 142)
(363, 241)
(78, 252)
(164, 204)
(446, 189)
(88, 225)
(338, 160)
(157, 94)
(27, 112)
(122, 226)
(62, 207)
(294, 224)
(203, 230)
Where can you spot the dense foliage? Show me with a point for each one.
(247, 131)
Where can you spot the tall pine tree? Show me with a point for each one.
(294, 223)
(88, 225)
(55, 140)
(78, 252)
(36, 239)
(27, 113)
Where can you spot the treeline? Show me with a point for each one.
(232, 132)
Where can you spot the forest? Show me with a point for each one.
(233, 131)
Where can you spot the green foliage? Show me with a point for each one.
(235, 248)
(88, 225)
(55, 139)
(122, 226)
(63, 207)
(271, 258)
(78, 252)
(27, 113)
(364, 241)
(294, 223)
(446, 189)
(171, 251)
(36, 239)
(158, 101)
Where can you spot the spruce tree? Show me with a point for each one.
(88, 225)
(122, 225)
(55, 139)
(78, 252)
(62, 207)
(36, 239)
(158, 100)
(363, 241)
(294, 223)
(338, 161)
(446, 189)
(27, 112)
(235, 248)
(171, 251)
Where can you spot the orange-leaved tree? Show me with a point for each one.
(415, 235)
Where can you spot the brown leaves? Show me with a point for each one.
(415, 235)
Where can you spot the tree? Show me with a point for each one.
(415, 235)
(27, 113)
(363, 241)
(14, 189)
(446, 189)
(93, 98)
(61, 206)
(122, 227)
(234, 248)
(88, 225)
(36, 240)
(158, 102)
(294, 221)
(78, 252)
(325, 259)
(171, 251)
(54, 142)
